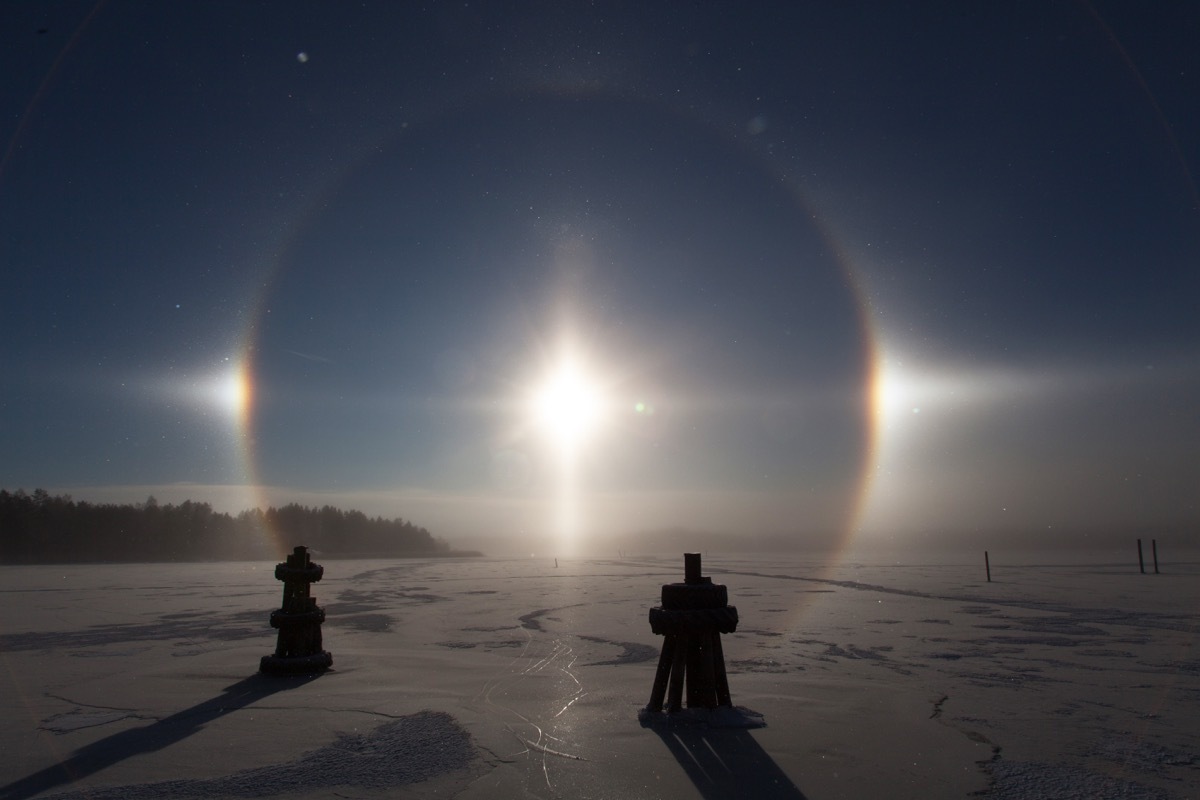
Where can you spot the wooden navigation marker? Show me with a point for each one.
(298, 649)
(692, 617)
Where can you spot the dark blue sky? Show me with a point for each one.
(866, 267)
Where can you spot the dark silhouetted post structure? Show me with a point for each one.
(1141, 561)
(298, 650)
(987, 565)
(692, 617)
(1154, 552)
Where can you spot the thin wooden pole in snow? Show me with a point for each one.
(1141, 561)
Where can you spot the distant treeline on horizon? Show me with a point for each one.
(41, 528)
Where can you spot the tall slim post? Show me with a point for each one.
(1141, 561)
(987, 565)
(1154, 552)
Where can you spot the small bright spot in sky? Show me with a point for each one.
(234, 392)
(302, 57)
(894, 391)
(228, 390)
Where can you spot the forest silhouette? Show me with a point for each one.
(41, 528)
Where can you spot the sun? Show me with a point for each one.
(568, 406)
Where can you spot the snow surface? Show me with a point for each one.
(484, 678)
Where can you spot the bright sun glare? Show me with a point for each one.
(897, 394)
(568, 406)
(231, 392)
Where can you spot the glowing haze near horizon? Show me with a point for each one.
(561, 275)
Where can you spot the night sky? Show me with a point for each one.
(824, 272)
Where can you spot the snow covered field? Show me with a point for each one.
(484, 678)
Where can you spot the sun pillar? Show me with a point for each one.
(569, 408)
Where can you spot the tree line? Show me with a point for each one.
(41, 528)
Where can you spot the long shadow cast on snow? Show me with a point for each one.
(94, 757)
(724, 762)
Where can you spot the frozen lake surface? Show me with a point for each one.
(484, 678)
